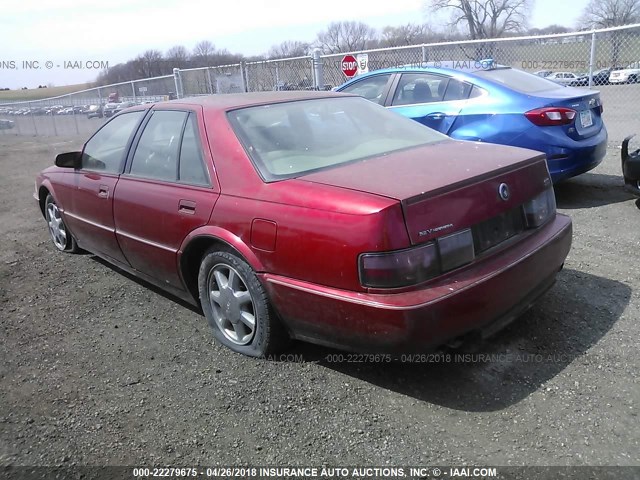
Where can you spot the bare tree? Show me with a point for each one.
(485, 18)
(150, 63)
(203, 53)
(225, 57)
(409, 34)
(345, 37)
(177, 57)
(611, 13)
(288, 49)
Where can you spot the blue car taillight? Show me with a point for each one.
(551, 116)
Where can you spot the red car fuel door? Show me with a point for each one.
(166, 192)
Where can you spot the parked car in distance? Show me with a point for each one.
(599, 77)
(497, 105)
(563, 78)
(543, 73)
(6, 124)
(53, 110)
(123, 105)
(109, 109)
(628, 74)
(94, 111)
(312, 215)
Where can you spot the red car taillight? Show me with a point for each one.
(401, 268)
(417, 264)
(551, 116)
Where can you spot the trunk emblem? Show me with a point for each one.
(503, 191)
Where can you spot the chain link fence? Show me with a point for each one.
(210, 80)
(607, 60)
(287, 74)
(81, 113)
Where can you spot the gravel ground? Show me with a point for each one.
(97, 368)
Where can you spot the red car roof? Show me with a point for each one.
(231, 101)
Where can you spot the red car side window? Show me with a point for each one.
(105, 151)
(192, 168)
(156, 155)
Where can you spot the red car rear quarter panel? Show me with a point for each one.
(314, 245)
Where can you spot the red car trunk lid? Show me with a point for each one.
(432, 215)
(447, 186)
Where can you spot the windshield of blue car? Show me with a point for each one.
(518, 80)
(286, 140)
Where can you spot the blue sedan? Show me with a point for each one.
(490, 103)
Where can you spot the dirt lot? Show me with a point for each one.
(97, 368)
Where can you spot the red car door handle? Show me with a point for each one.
(103, 191)
(187, 206)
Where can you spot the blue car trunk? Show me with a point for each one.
(588, 121)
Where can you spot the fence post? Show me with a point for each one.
(424, 54)
(75, 120)
(178, 82)
(133, 89)
(244, 75)
(209, 80)
(53, 121)
(318, 72)
(35, 128)
(592, 56)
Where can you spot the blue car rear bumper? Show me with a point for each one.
(566, 162)
(566, 157)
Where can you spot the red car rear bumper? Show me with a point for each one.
(487, 294)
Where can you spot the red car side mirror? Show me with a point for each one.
(69, 160)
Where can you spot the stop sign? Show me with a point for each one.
(349, 65)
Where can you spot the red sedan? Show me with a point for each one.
(312, 215)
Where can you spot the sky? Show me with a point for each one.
(68, 41)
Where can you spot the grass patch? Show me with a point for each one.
(40, 93)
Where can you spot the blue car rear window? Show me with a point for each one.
(518, 80)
